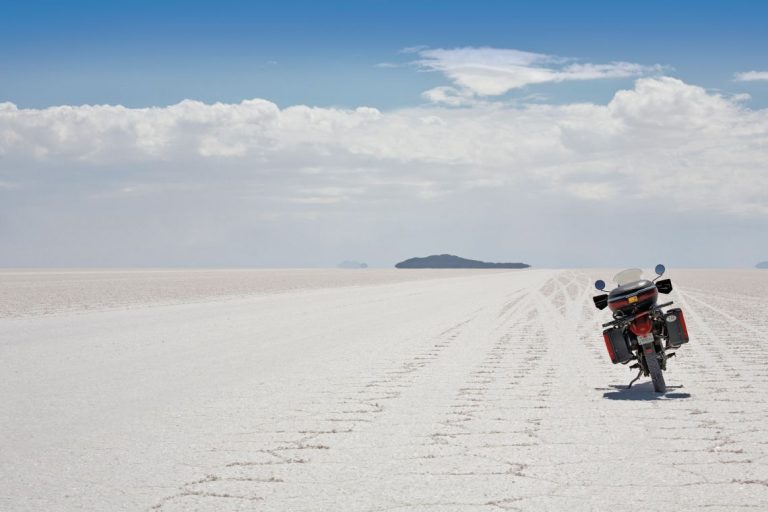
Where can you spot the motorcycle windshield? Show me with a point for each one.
(629, 275)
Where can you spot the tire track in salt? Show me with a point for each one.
(724, 343)
(484, 441)
(281, 459)
(466, 450)
(728, 337)
(737, 449)
(273, 451)
(402, 434)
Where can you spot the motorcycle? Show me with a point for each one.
(641, 330)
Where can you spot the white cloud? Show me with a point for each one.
(496, 71)
(448, 95)
(750, 76)
(664, 141)
(251, 183)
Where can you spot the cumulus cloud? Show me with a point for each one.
(661, 138)
(750, 76)
(496, 71)
(673, 147)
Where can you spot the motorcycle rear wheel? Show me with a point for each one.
(657, 376)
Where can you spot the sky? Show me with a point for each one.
(275, 134)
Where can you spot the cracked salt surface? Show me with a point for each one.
(464, 391)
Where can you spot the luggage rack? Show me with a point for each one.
(626, 319)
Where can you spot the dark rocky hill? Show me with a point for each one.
(451, 261)
(763, 264)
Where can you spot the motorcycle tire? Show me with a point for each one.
(657, 376)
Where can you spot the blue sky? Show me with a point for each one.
(324, 53)
(307, 133)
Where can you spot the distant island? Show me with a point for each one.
(763, 264)
(451, 261)
(352, 264)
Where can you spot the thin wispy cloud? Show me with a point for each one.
(496, 71)
(751, 76)
(414, 49)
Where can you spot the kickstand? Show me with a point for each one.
(639, 374)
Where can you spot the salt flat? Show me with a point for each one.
(371, 390)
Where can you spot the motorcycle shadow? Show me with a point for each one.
(643, 391)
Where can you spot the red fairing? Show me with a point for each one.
(641, 325)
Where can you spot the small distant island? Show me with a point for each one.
(352, 264)
(762, 264)
(451, 261)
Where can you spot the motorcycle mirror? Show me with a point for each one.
(664, 286)
(660, 269)
(600, 284)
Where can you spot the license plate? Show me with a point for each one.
(644, 340)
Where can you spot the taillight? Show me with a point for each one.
(609, 346)
(641, 325)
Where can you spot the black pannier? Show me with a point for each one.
(676, 328)
(617, 346)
